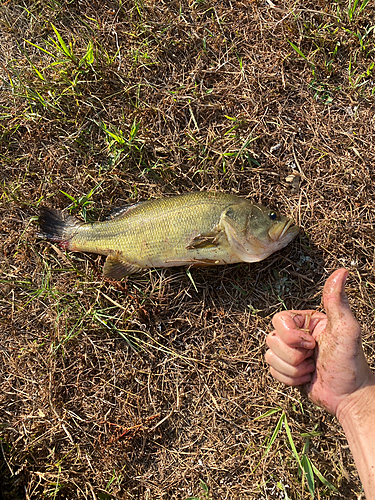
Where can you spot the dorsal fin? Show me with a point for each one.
(119, 212)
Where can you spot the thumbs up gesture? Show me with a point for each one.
(323, 352)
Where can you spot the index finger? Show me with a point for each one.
(294, 327)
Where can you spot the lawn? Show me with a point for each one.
(155, 386)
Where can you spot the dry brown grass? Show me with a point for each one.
(149, 388)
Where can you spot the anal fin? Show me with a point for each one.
(116, 268)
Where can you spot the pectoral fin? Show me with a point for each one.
(204, 240)
(116, 268)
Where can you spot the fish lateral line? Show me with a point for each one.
(194, 229)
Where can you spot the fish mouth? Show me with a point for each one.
(283, 231)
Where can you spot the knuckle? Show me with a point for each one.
(268, 356)
(270, 338)
(295, 371)
(296, 359)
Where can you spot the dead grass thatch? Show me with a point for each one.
(152, 388)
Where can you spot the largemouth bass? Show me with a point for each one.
(204, 228)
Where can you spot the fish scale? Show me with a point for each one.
(204, 228)
(155, 229)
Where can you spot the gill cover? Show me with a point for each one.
(254, 232)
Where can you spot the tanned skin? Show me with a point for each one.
(323, 353)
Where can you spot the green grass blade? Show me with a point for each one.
(38, 73)
(307, 468)
(88, 58)
(134, 129)
(69, 196)
(291, 442)
(63, 45)
(322, 479)
(246, 143)
(363, 5)
(272, 439)
(40, 48)
(268, 413)
(299, 52)
(86, 198)
(204, 486)
(275, 433)
(117, 137)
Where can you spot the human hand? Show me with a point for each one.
(323, 352)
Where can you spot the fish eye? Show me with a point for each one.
(273, 215)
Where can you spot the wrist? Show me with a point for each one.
(358, 406)
(356, 415)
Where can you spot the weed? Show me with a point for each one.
(122, 147)
(204, 493)
(306, 469)
(355, 8)
(83, 202)
(128, 101)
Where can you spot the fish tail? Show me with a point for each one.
(57, 226)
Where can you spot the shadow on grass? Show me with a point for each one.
(11, 486)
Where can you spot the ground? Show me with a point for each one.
(155, 387)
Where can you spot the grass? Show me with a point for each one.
(156, 387)
(307, 471)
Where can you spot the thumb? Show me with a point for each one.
(336, 304)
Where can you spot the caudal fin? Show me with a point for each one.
(56, 225)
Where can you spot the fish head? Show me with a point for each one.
(255, 232)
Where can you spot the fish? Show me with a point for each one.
(194, 229)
